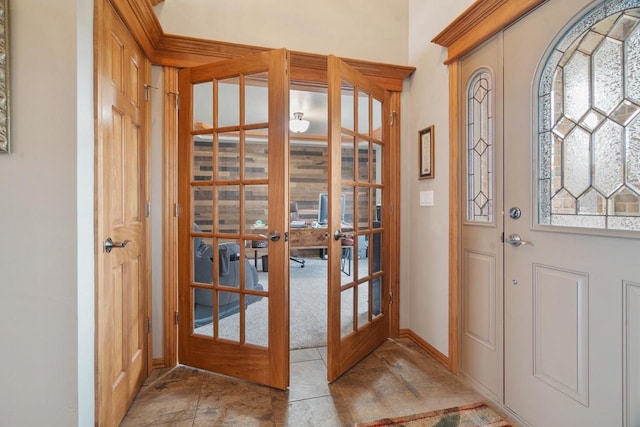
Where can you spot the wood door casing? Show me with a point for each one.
(122, 276)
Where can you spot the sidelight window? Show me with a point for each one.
(480, 147)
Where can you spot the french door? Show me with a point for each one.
(359, 173)
(233, 175)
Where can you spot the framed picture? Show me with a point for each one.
(4, 76)
(426, 139)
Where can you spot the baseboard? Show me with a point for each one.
(409, 334)
(158, 363)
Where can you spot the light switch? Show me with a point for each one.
(426, 198)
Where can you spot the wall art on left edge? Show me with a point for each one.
(4, 77)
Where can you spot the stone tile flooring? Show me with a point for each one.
(398, 378)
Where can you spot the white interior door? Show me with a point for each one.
(482, 222)
(572, 291)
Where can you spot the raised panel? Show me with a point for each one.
(561, 330)
(631, 354)
(118, 334)
(114, 164)
(134, 308)
(479, 301)
(116, 59)
(134, 82)
(132, 171)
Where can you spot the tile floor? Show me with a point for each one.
(398, 378)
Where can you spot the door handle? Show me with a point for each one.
(110, 244)
(515, 240)
(338, 234)
(274, 236)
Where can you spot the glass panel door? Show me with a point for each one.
(233, 176)
(358, 288)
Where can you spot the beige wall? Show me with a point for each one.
(46, 219)
(46, 184)
(425, 240)
(375, 30)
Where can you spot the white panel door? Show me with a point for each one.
(482, 222)
(564, 321)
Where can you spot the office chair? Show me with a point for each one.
(293, 216)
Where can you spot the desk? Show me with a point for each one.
(308, 238)
(304, 237)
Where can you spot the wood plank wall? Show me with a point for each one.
(308, 178)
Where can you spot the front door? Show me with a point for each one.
(571, 132)
(359, 176)
(122, 292)
(482, 220)
(233, 176)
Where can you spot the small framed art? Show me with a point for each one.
(426, 140)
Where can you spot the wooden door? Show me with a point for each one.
(233, 180)
(481, 293)
(122, 302)
(571, 135)
(359, 175)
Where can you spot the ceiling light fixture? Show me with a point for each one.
(298, 124)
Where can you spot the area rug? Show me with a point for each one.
(476, 415)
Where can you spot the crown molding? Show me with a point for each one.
(181, 51)
(480, 22)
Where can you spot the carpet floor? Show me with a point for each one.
(308, 308)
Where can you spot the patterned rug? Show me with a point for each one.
(476, 415)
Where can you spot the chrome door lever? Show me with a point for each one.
(338, 234)
(274, 236)
(515, 240)
(110, 244)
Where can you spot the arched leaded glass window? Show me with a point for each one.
(589, 123)
(480, 147)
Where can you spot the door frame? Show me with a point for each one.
(473, 27)
(173, 52)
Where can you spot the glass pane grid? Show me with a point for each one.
(589, 170)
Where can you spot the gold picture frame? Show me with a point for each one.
(4, 77)
(426, 141)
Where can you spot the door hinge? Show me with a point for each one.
(176, 98)
(177, 318)
(390, 297)
(148, 324)
(147, 95)
(147, 208)
(176, 210)
(502, 237)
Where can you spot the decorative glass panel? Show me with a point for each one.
(589, 123)
(480, 147)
